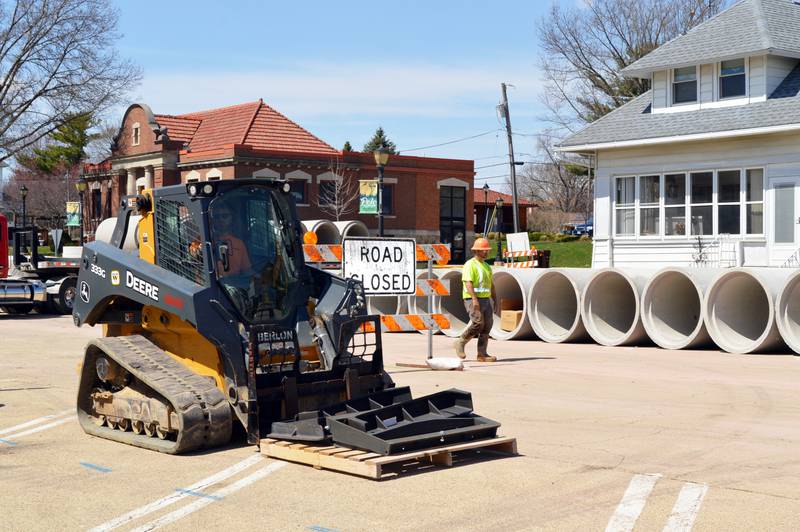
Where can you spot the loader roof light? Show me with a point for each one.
(310, 237)
(287, 187)
(208, 189)
(193, 190)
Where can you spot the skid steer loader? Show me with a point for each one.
(211, 317)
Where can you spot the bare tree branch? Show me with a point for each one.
(338, 196)
(584, 47)
(57, 58)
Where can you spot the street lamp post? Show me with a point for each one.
(486, 208)
(381, 158)
(498, 221)
(81, 185)
(23, 193)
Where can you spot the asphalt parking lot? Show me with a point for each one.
(625, 438)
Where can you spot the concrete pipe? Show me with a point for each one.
(105, 230)
(352, 229)
(419, 305)
(788, 312)
(326, 231)
(386, 305)
(739, 309)
(512, 286)
(452, 306)
(610, 306)
(554, 304)
(672, 307)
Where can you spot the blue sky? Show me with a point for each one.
(428, 72)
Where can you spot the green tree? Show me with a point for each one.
(65, 147)
(380, 140)
(347, 146)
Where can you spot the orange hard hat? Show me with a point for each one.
(481, 244)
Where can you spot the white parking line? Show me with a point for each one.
(178, 495)
(202, 503)
(18, 435)
(632, 503)
(686, 507)
(35, 421)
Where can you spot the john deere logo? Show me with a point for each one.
(115, 277)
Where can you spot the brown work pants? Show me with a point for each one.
(480, 323)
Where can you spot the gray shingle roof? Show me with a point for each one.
(634, 121)
(745, 28)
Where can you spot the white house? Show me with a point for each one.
(710, 153)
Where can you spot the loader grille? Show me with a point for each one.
(180, 244)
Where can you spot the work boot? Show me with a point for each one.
(486, 358)
(459, 346)
(483, 345)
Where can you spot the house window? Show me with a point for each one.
(729, 201)
(684, 85)
(625, 206)
(97, 205)
(649, 205)
(675, 204)
(702, 198)
(732, 79)
(327, 193)
(135, 134)
(297, 188)
(754, 201)
(388, 199)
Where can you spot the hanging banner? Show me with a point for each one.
(73, 214)
(368, 199)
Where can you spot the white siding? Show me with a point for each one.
(777, 70)
(777, 153)
(756, 77)
(707, 78)
(660, 80)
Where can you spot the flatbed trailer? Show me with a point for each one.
(31, 281)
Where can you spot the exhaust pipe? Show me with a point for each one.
(788, 312)
(672, 307)
(740, 309)
(326, 232)
(610, 306)
(554, 304)
(452, 305)
(512, 286)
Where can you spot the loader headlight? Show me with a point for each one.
(208, 189)
(286, 187)
(192, 190)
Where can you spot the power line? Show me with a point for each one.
(450, 141)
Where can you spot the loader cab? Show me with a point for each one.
(255, 248)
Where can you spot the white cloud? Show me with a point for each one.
(352, 91)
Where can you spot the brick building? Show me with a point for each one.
(485, 202)
(425, 198)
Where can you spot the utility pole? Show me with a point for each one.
(513, 166)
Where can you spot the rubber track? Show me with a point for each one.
(204, 412)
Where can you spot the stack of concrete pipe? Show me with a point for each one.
(741, 310)
(326, 231)
(351, 229)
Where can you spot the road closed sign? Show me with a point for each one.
(383, 265)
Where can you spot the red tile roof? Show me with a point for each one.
(254, 124)
(478, 198)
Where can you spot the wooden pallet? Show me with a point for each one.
(376, 466)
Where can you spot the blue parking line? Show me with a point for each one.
(8, 442)
(198, 494)
(318, 528)
(96, 467)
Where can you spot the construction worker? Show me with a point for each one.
(478, 294)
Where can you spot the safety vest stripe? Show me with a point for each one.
(437, 287)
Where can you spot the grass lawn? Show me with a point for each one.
(576, 254)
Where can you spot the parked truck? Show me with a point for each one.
(31, 281)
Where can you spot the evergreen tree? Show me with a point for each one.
(347, 146)
(65, 147)
(380, 140)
